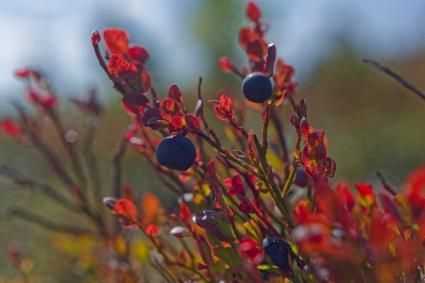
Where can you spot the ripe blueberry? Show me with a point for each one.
(176, 152)
(279, 252)
(257, 87)
(301, 178)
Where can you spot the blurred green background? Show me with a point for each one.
(372, 122)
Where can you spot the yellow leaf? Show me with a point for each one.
(141, 251)
(275, 161)
(120, 245)
(230, 134)
(392, 249)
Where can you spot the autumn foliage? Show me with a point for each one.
(258, 211)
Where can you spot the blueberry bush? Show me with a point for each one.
(255, 211)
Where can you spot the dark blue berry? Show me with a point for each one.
(301, 178)
(279, 252)
(257, 87)
(176, 152)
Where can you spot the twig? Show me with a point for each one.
(201, 99)
(384, 183)
(73, 155)
(404, 82)
(289, 180)
(90, 158)
(155, 97)
(116, 164)
(281, 136)
(24, 181)
(266, 120)
(59, 227)
(237, 72)
(39, 144)
(59, 169)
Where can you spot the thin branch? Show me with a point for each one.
(58, 227)
(72, 153)
(385, 184)
(116, 165)
(58, 168)
(44, 150)
(201, 107)
(281, 135)
(155, 98)
(404, 82)
(24, 181)
(266, 120)
(90, 158)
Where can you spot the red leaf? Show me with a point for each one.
(251, 251)
(126, 211)
(246, 35)
(389, 205)
(138, 54)
(301, 212)
(152, 118)
(177, 125)
(185, 214)
(344, 196)
(134, 103)
(116, 41)
(365, 190)
(366, 196)
(246, 207)
(416, 180)
(192, 122)
(225, 64)
(236, 185)
(151, 230)
(47, 100)
(253, 11)
(146, 81)
(118, 65)
(11, 128)
(305, 128)
(169, 108)
(23, 73)
(256, 50)
(224, 107)
(175, 93)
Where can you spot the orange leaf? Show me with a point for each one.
(116, 41)
(126, 209)
(151, 206)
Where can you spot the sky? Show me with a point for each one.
(54, 35)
